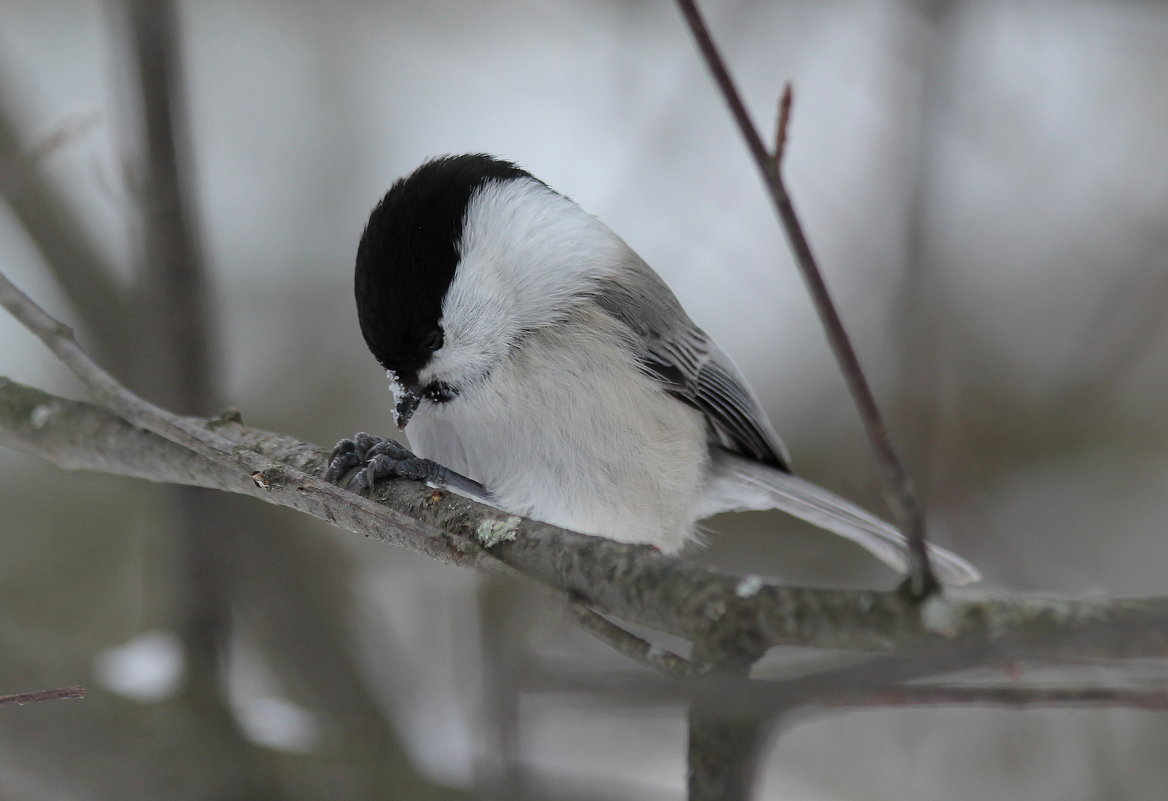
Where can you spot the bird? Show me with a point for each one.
(544, 368)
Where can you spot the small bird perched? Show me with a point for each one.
(547, 370)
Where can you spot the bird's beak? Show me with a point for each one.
(407, 395)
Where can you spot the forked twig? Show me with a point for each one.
(897, 487)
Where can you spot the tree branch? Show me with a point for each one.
(84, 275)
(638, 649)
(782, 123)
(61, 694)
(625, 642)
(632, 582)
(179, 344)
(1008, 697)
(866, 685)
(897, 487)
(203, 441)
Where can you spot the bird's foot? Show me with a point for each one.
(386, 458)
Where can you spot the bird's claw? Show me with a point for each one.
(382, 458)
(347, 454)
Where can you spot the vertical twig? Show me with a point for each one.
(897, 487)
(172, 278)
(916, 310)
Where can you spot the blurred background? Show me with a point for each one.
(986, 187)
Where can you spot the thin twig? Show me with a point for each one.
(61, 694)
(85, 276)
(849, 689)
(625, 642)
(16, 169)
(1010, 697)
(575, 609)
(59, 338)
(784, 120)
(897, 487)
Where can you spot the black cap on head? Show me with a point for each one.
(408, 254)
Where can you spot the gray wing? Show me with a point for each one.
(689, 364)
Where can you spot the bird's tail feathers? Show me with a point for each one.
(740, 485)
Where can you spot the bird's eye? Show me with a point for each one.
(433, 340)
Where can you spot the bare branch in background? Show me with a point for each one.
(505, 655)
(871, 686)
(172, 308)
(1009, 697)
(175, 369)
(782, 122)
(918, 312)
(61, 694)
(172, 276)
(51, 223)
(897, 488)
(18, 169)
(1125, 324)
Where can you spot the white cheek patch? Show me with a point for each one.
(526, 256)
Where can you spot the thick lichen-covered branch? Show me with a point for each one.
(630, 582)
